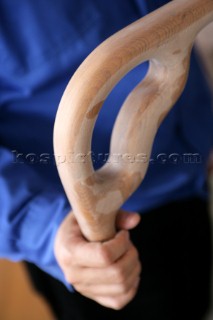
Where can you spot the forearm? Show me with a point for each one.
(31, 212)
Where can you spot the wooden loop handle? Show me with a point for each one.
(165, 38)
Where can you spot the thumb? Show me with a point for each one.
(127, 220)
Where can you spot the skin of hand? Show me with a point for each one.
(106, 272)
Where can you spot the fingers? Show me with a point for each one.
(108, 272)
(92, 254)
(119, 301)
(72, 249)
(113, 286)
(113, 274)
(112, 289)
(127, 220)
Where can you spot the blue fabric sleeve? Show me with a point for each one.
(30, 214)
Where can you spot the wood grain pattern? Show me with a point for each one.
(165, 38)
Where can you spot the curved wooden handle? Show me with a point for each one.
(165, 38)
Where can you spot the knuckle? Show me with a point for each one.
(134, 253)
(104, 255)
(65, 259)
(119, 275)
(134, 292)
(139, 268)
(118, 304)
(135, 257)
(124, 288)
(64, 256)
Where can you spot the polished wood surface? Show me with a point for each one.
(165, 38)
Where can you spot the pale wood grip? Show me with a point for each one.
(165, 38)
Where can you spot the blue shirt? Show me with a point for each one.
(41, 45)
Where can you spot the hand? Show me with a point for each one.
(106, 272)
